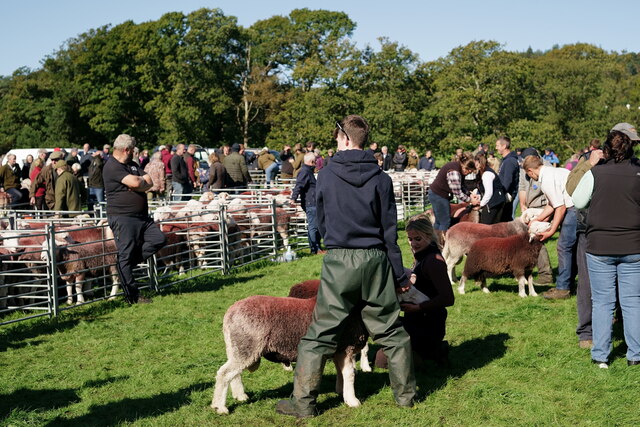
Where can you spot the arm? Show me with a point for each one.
(137, 183)
(487, 182)
(388, 220)
(245, 171)
(583, 192)
(454, 180)
(558, 216)
(547, 211)
(301, 182)
(436, 269)
(320, 207)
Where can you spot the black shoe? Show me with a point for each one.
(633, 362)
(286, 407)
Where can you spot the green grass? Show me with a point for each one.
(514, 362)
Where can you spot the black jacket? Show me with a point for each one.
(179, 170)
(356, 207)
(305, 187)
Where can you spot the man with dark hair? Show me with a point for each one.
(180, 175)
(306, 189)
(509, 175)
(400, 159)
(10, 179)
(137, 237)
(357, 219)
(427, 162)
(372, 148)
(236, 167)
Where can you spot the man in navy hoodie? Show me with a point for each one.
(357, 218)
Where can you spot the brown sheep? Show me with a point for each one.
(271, 327)
(517, 255)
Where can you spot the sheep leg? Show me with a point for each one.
(225, 375)
(346, 368)
(284, 236)
(237, 389)
(532, 291)
(70, 291)
(79, 284)
(521, 282)
(463, 280)
(364, 359)
(115, 285)
(483, 285)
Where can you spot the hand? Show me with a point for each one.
(595, 157)
(410, 308)
(544, 236)
(403, 289)
(32, 201)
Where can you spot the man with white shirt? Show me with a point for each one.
(553, 184)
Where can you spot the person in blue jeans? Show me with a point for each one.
(611, 189)
(553, 183)
(306, 189)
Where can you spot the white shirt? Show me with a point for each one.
(553, 183)
(487, 183)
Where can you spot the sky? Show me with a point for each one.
(34, 29)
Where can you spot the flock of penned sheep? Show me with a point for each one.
(86, 250)
(271, 327)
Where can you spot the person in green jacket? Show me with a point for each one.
(67, 189)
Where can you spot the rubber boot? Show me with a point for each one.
(401, 374)
(306, 384)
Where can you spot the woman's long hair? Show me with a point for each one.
(618, 146)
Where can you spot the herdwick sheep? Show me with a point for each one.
(74, 264)
(463, 235)
(517, 255)
(271, 327)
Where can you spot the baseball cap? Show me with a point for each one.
(628, 130)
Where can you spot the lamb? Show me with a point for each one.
(96, 259)
(463, 235)
(517, 255)
(271, 327)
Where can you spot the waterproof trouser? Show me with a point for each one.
(348, 277)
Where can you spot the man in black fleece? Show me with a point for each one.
(306, 189)
(357, 219)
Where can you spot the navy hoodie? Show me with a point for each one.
(356, 208)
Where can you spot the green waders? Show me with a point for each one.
(348, 276)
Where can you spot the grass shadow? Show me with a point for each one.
(129, 410)
(15, 335)
(207, 283)
(511, 285)
(36, 400)
(468, 356)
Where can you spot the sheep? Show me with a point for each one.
(95, 259)
(271, 327)
(309, 289)
(463, 235)
(517, 254)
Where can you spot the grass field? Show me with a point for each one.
(514, 362)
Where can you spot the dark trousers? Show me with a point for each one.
(313, 233)
(348, 277)
(583, 295)
(137, 238)
(426, 330)
(491, 215)
(507, 212)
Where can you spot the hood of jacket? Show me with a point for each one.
(355, 167)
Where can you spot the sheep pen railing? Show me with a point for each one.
(44, 271)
